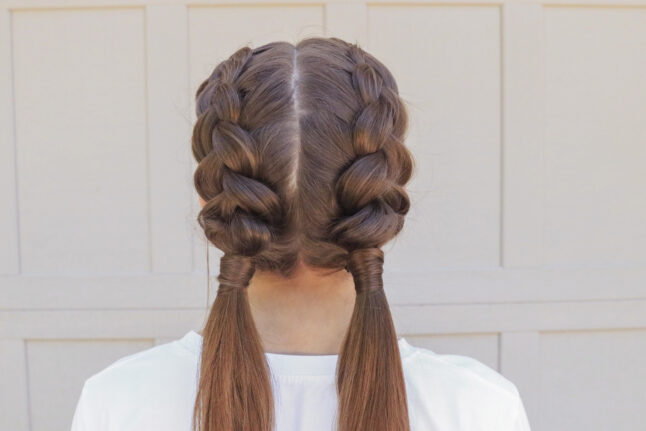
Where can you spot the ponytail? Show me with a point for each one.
(234, 391)
(370, 380)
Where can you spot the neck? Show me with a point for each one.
(308, 313)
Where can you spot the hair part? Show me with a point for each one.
(301, 157)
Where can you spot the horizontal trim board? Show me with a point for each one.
(563, 316)
(62, 4)
(422, 319)
(481, 286)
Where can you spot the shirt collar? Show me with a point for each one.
(282, 364)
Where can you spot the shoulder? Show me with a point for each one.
(157, 378)
(163, 361)
(460, 390)
(462, 372)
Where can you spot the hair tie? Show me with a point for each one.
(366, 266)
(236, 271)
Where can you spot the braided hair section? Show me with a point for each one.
(370, 190)
(241, 215)
(373, 204)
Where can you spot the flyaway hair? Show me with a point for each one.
(301, 158)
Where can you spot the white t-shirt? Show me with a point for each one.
(154, 389)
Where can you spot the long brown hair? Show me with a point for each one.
(301, 157)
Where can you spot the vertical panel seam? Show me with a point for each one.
(501, 124)
(27, 394)
(147, 138)
(12, 113)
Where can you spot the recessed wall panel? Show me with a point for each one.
(592, 380)
(79, 77)
(595, 136)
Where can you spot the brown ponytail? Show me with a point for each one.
(370, 381)
(235, 393)
(301, 158)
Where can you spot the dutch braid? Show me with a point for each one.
(241, 214)
(369, 191)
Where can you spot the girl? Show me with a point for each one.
(301, 174)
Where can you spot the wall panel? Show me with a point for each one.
(595, 136)
(79, 88)
(599, 369)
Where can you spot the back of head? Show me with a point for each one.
(301, 158)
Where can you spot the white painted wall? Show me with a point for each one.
(525, 246)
